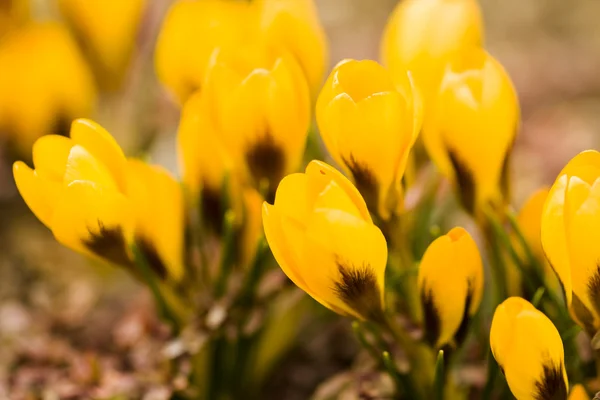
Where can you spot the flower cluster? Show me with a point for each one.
(249, 78)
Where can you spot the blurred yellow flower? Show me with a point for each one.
(260, 105)
(369, 123)
(13, 13)
(422, 35)
(451, 286)
(290, 26)
(44, 84)
(294, 25)
(190, 33)
(470, 129)
(98, 203)
(322, 236)
(529, 350)
(578, 393)
(107, 30)
(570, 234)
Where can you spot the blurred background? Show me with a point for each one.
(61, 321)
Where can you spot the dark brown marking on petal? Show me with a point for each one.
(431, 318)
(359, 290)
(212, 210)
(61, 125)
(583, 315)
(463, 329)
(364, 180)
(152, 257)
(266, 161)
(465, 182)
(594, 289)
(110, 244)
(552, 385)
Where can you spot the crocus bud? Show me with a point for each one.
(322, 236)
(470, 129)
(108, 31)
(98, 203)
(294, 25)
(369, 123)
(578, 393)
(451, 285)
(260, 105)
(422, 35)
(189, 34)
(529, 351)
(570, 234)
(44, 84)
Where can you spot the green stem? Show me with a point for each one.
(440, 377)
(227, 253)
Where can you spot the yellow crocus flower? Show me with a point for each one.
(470, 129)
(44, 84)
(321, 234)
(190, 33)
(98, 203)
(451, 286)
(260, 104)
(294, 25)
(578, 392)
(13, 13)
(107, 30)
(570, 234)
(369, 123)
(422, 35)
(529, 351)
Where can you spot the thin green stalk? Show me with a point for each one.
(227, 253)
(360, 335)
(440, 377)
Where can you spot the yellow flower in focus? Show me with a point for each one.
(108, 32)
(578, 393)
(98, 203)
(422, 35)
(471, 128)
(13, 13)
(322, 236)
(451, 286)
(529, 351)
(190, 33)
(570, 235)
(44, 84)
(260, 105)
(369, 123)
(294, 25)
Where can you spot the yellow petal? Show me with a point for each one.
(317, 168)
(578, 392)
(158, 204)
(40, 195)
(50, 155)
(451, 285)
(585, 165)
(99, 143)
(553, 234)
(83, 166)
(529, 350)
(344, 262)
(94, 220)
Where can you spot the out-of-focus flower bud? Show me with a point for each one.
(322, 236)
(44, 84)
(422, 35)
(451, 285)
(294, 25)
(107, 30)
(98, 203)
(570, 234)
(369, 123)
(470, 129)
(529, 351)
